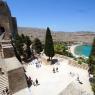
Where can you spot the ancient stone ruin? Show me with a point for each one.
(12, 74)
(8, 26)
(8, 29)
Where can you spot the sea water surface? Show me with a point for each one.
(83, 50)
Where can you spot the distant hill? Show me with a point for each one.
(82, 36)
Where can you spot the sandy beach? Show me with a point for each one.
(72, 48)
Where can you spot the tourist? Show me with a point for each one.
(77, 77)
(57, 69)
(37, 65)
(6, 90)
(79, 80)
(33, 83)
(53, 70)
(29, 81)
(36, 81)
(3, 92)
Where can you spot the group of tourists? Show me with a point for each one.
(36, 83)
(55, 70)
(31, 82)
(36, 62)
(6, 92)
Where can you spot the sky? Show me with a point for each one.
(59, 15)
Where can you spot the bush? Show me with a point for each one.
(37, 45)
(62, 49)
(92, 69)
(93, 87)
(69, 54)
(79, 62)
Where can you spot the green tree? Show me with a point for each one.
(60, 48)
(16, 52)
(28, 42)
(28, 52)
(23, 38)
(18, 42)
(37, 45)
(49, 46)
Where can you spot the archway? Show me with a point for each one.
(2, 30)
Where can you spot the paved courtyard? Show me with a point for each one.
(58, 83)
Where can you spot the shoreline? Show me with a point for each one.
(72, 48)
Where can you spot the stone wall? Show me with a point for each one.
(7, 21)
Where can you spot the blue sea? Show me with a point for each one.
(83, 50)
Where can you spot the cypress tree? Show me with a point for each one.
(49, 46)
(37, 45)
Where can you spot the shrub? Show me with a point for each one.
(79, 62)
(93, 87)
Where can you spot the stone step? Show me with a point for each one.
(3, 82)
(4, 77)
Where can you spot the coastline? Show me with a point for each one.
(72, 48)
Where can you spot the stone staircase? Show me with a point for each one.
(3, 82)
(3, 76)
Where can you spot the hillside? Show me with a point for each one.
(86, 37)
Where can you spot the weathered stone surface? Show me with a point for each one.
(8, 28)
(17, 80)
(7, 21)
(14, 69)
